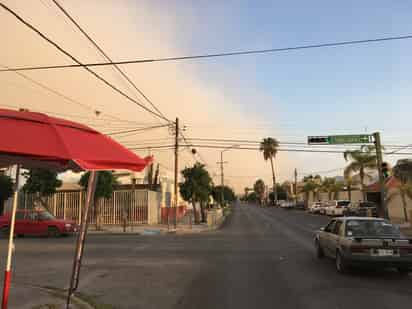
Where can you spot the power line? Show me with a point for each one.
(58, 47)
(139, 129)
(214, 55)
(106, 56)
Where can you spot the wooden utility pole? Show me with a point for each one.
(222, 179)
(296, 186)
(378, 146)
(176, 168)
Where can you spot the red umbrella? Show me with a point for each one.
(35, 140)
(38, 140)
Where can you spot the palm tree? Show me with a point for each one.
(361, 161)
(307, 188)
(328, 186)
(337, 188)
(259, 189)
(404, 190)
(403, 172)
(269, 147)
(349, 184)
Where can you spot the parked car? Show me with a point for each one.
(336, 208)
(286, 205)
(364, 241)
(315, 208)
(299, 205)
(37, 222)
(361, 209)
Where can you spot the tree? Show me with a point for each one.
(6, 190)
(403, 172)
(308, 187)
(350, 185)
(328, 185)
(337, 188)
(196, 188)
(282, 193)
(259, 189)
(228, 194)
(361, 161)
(252, 197)
(269, 146)
(42, 183)
(104, 189)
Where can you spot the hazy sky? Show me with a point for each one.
(287, 95)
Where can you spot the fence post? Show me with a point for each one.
(114, 207)
(64, 205)
(55, 203)
(80, 206)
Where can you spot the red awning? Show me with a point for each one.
(38, 140)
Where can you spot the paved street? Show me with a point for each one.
(261, 258)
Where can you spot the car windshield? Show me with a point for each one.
(343, 203)
(45, 215)
(371, 228)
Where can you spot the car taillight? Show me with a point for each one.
(338, 206)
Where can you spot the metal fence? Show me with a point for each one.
(69, 205)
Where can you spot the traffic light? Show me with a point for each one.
(385, 169)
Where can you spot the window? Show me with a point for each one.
(337, 227)
(20, 215)
(361, 228)
(330, 226)
(33, 216)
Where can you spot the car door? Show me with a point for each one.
(20, 223)
(34, 226)
(334, 238)
(325, 235)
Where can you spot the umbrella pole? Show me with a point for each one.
(7, 274)
(74, 280)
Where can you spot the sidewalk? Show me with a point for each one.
(156, 229)
(32, 297)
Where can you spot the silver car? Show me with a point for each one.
(364, 241)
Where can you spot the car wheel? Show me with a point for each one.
(53, 232)
(403, 271)
(319, 251)
(340, 263)
(5, 231)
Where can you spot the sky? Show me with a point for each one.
(288, 95)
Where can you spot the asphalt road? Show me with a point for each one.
(260, 258)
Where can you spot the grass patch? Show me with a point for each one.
(46, 306)
(93, 302)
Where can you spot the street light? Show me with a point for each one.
(222, 180)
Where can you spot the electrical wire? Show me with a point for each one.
(58, 47)
(136, 130)
(106, 56)
(214, 55)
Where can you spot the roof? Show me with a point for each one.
(390, 183)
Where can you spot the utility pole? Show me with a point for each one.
(222, 179)
(176, 168)
(296, 186)
(378, 146)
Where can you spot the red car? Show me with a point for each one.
(37, 222)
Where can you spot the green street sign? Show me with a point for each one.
(340, 139)
(350, 139)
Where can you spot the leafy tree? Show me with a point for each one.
(350, 185)
(269, 146)
(308, 187)
(6, 190)
(282, 193)
(337, 188)
(196, 188)
(228, 194)
(252, 197)
(42, 183)
(259, 188)
(362, 160)
(403, 172)
(104, 189)
(328, 185)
